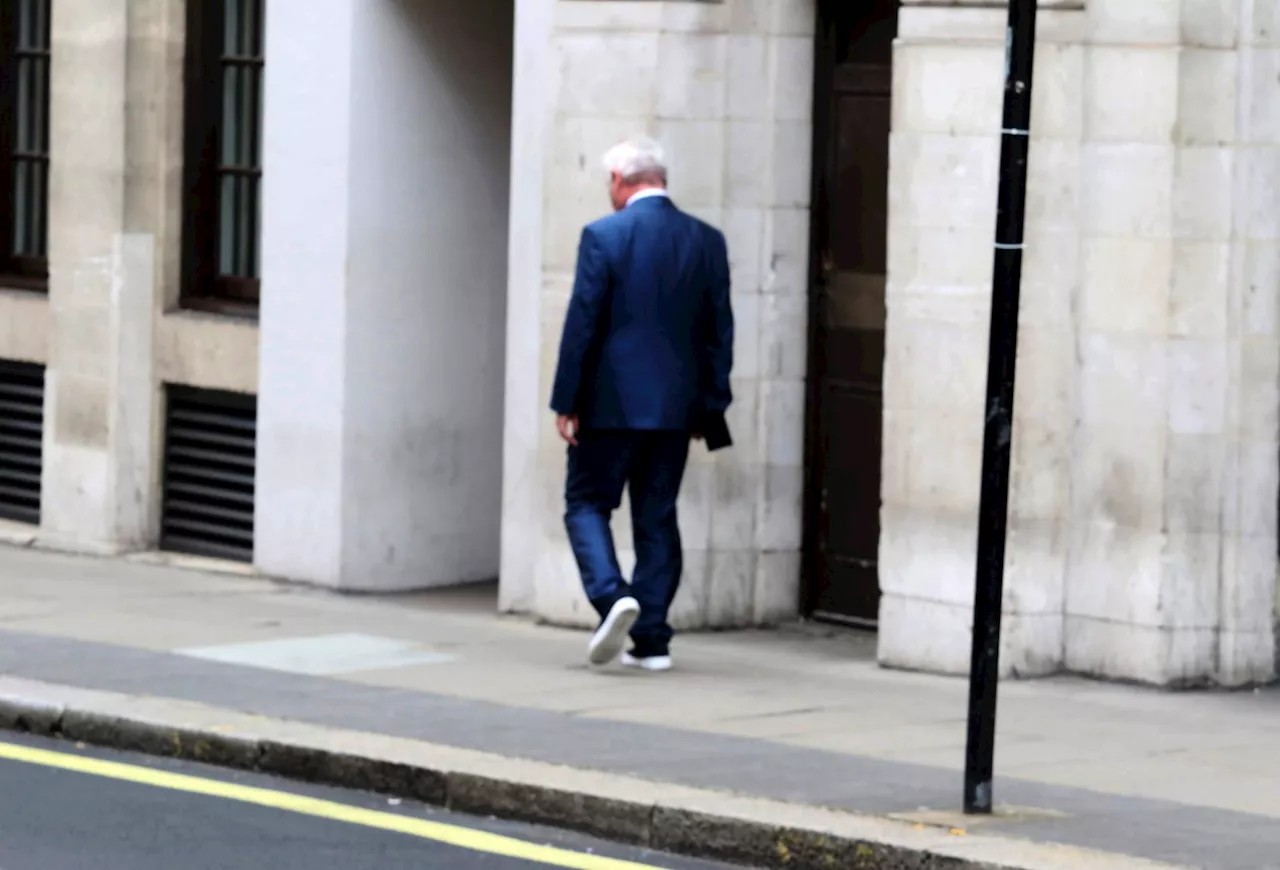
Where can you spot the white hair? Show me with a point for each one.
(637, 159)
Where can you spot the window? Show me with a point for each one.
(24, 143)
(224, 154)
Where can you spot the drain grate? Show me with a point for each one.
(21, 434)
(209, 460)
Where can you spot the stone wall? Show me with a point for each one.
(727, 87)
(943, 179)
(1143, 513)
(1173, 554)
(24, 325)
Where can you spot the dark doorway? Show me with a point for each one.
(850, 216)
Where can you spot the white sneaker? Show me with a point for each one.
(648, 663)
(611, 637)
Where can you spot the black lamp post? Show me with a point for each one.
(984, 675)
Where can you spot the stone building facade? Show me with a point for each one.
(299, 269)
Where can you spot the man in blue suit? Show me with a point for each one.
(644, 368)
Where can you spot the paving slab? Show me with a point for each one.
(788, 716)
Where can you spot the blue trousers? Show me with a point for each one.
(650, 465)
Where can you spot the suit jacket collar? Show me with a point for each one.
(649, 195)
(652, 202)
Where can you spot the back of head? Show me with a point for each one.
(637, 162)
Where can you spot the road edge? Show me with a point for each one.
(668, 818)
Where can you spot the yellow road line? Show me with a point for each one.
(452, 835)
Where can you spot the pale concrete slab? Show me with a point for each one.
(323, 655)
(1182, 780)
(791, 715)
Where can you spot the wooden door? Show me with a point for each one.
(848, 308)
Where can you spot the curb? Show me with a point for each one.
(665, 818)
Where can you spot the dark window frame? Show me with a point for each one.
(24, 270)
(205, 284)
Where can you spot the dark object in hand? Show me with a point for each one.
(714, 431)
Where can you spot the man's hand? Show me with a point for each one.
(568, 426)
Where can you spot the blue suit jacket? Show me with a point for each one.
(648, 340)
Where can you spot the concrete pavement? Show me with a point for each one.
(1189, 779)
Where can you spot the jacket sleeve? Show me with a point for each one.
(581, 324)
(718, 330)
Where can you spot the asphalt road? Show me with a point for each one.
(69, 808)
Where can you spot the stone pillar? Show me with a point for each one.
(1245, 650)
(302, 343)
(523, 505)
(99, 489)
(1143, 515)
(727, 89)
(943, 181)
(1143, 435)
(1177, 447)
(386, 156)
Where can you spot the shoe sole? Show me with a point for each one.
(610, 639)
(664, 664)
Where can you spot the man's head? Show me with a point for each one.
(633, 166)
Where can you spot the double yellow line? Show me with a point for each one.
(450, 835)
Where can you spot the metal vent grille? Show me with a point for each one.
(21, 434)
(208, 473)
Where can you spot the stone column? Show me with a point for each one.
(99, 471)
(1140, 435)
(1246, 645)
(947, 94)
(302, 342)
(1143, 514)
(727, 89)
(386, 153)
(523, 506)
(1174, 553)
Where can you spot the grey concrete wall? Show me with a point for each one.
(430, 152)
(380, 416)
